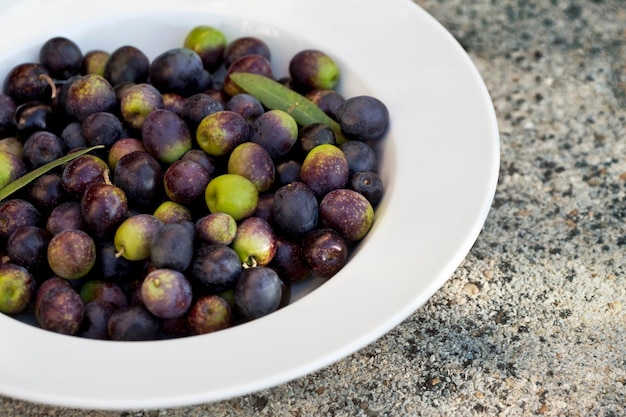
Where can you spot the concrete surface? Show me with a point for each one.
(534, 320)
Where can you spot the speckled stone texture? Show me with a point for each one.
(533, 323)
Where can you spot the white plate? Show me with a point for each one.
(440, 166)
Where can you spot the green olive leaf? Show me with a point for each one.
(276, 96)
(24, 180)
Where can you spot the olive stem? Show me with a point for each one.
(250, 262)
(51, 83)
(292, 108)
(107, 177)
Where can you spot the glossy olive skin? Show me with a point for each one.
(132, 323)
(16, 213)
(137, 101)
(324, 169)
(46, 192)
(327, 100)
(246, 45)
(296, 209)
(360, 156)
(103, 207)
(216, 228)
(95, 320)
(90, 93)
(255, 242)
(221, 132)
(178, 70)
(29, 82)
(40, 148)
(27, 247)
(202, 158)
(11, 145)
(347, 212)
(197, 107)
(209, 43)
(101, 128)
(121, 148)
(315, 134)
(165, 136)
(210, 313)
(325, 252)
(216, 267)
(288, 172)
(71, 254)
(265, 207)
(369, 184)
(140, 176)
(166, 293)
(246, 105)
(72, 136)
(363, 118)
(65, 216)
(252, 161)
(103, 291)
(58, 307)
(34, 116)
(172, 247)
(256, 64)
(7, 113)
(126, 64)
(11, 168)
(94, 62)
(313, 69)
(276, 131)
(171, 212)
(109, 266)
(17, 288)
(133, 237)
(173, 102)
(258, 293)
(289, 260)
(62, 57)
(185, 182)
(81, 172)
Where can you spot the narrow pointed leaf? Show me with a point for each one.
(24, 180)
(276, 96)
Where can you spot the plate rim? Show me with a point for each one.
(315, 362)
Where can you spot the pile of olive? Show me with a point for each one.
(146, 199)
